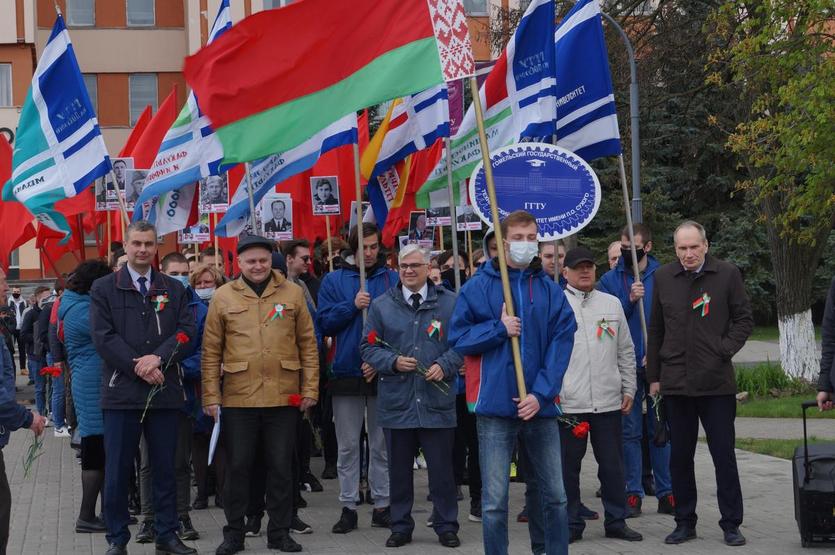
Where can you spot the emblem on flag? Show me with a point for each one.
(276, 312)
(703, 302)
(605, 329)
(435, 328)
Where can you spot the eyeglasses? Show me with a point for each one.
(411, 267)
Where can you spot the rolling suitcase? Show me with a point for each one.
(813, 472)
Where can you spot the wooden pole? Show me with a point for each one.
(632, 251)
(108, 235)
(453, 217)
(494, 212)
(251, 196)
(79, 221)
(330, 246)
(358, 256)
(470, 251)
(123, 208)
(217, 244)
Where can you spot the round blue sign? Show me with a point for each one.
(555, 185)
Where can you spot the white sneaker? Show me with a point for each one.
(420, 461)
(61, 432)
(49, 423)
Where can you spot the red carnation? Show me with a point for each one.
(182, 338)
(294, 400)
(581, 430)
(53, 371)
(372, 337)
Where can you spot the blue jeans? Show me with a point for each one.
(632, 458)
(547, 517)
(57, 398)
(34, 367)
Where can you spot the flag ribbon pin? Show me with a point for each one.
(276, 312)
(603, 329)
(435, 327)
(703, 302)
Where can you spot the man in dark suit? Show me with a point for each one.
(142, 328)
(420, 231)
(278, 223)
(324, 195)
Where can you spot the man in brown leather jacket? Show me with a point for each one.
(259, 336)
(701, 317)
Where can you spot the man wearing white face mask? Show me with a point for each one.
(481, 329)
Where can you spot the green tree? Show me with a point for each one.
(778, 57)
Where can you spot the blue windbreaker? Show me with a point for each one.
(547, 338)
(337, 315)
(617, 282)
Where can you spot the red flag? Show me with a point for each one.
(147, 146)
(17, 221)
(138, 130)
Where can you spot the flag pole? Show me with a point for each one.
(123, 208)
(470, 250)
(80, 223)
(632, 250)
(453, 216)
(494, 212)
(251, 196)
(217, 243)
(109, 236)
(330, 246)
(358, 256)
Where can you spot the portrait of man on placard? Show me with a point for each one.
(214, 194)
(324, 192)
(134, 183)
(418, 228)
(116, 180)
(277, 216)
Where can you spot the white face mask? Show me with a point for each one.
(522, 252)
(205, 294)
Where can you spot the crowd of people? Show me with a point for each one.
(297, 356)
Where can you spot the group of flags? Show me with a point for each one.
(281, 114)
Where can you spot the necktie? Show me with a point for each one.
(415, 300)
(142, 288)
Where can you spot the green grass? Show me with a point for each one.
(782, 448)
(772, 333)
(759, 380)
(780, 407)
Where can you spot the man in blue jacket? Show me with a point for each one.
(136, 316)
(621, 283)
(12, 417)
(414, 408)
(545, 327)
(352, 383)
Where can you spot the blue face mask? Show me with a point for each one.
(181, 279)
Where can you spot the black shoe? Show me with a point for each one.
(218, 501)
(633, 505)
(449, 539)
(301, 503)
(329, 473)
(230, 546)
(625, 533)
(285, 543)
(733, 537)
(667, 505)
(398, 539)
(146, 533)
(94, 526)
(314, 484)
(381, 518)
(200, 504)
(346, 523)
(252, 528)
(114, 549)
(523, 515)
(298, 526)
(134, 508)
(574, 535)
(174, 546)
(681, 534)
(649, 485)
(186, 530)
(587, 514)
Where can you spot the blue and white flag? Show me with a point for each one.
(412, 124)
(587, 122)
(267, 172)
(59, 150)
(189, 152)
(519, 99)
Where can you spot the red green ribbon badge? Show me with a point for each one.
(276, 312)
(605, 329)
(160, 301)
(703, 302)
(435, 327)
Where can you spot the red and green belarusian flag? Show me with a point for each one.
(279, 76)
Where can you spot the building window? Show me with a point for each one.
(92, 85)
(81, 12)
(140, 13)
(272, 4)
(143, 91)
(475, 7)
(5, 84)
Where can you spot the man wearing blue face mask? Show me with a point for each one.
(481, 329)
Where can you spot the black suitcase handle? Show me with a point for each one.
(807, 467)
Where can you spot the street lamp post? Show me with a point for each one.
(634, 123)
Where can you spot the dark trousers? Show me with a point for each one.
(243, 429)
(122, 429)
(717, 414)
(21, 349)
(607, 444)
(182, 470)
(330, 448)
(5, 505)
(465, 451)
(436, 444)
(200, 463)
